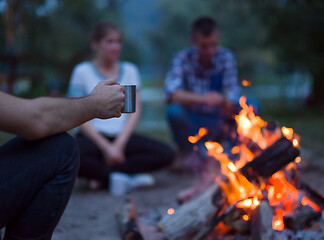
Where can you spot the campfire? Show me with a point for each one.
(258, 191)
(258, 184)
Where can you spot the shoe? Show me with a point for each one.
(122, 183)
(142, 180)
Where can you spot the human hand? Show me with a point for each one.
(113, 155)
(107, 99)
(213, 99)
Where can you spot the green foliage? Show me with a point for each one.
(241, 30)
(295, 30)
(54, 39)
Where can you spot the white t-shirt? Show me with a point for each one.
(85, 77)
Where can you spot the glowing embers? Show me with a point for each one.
(202, 132)
(284, 198)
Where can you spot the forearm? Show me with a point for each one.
(51, 116)
(186, 98)
(42, 117)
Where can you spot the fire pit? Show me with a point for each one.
(259, 193)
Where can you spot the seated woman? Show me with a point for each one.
(110, 146)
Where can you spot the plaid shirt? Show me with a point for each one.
(186, 74)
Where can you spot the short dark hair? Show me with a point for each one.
(101, 29)
(204, 26)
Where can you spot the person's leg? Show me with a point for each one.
(92, 164)
(36, 181)
(144, 154)
(182, 125)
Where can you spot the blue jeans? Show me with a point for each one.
(36, 181)
(185, 122)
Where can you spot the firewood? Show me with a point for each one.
(300, 218)
(190, 217)
(312, 193)
(127, 222)
(261, 222)
(271, 160)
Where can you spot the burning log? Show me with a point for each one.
(127, 222)
(271, 160)
(317, 197)
(191, 216)
(300, 217)
(261, 222)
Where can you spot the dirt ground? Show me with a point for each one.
(91, 215)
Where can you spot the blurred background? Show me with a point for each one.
(279, 46)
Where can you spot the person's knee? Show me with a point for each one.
(68, 152)
(176, 112)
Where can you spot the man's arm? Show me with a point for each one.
(187, 98)
(41, 117)
(175, 92)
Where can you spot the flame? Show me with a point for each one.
(283, 197)
(246, 217)
(202, 132)
(170, 211)
(277, 221)
(235, 150)
(306, 201)
(298, 159)
(287, 132)
(250, 125)
(246, 83)
(249, 203)
(232, 167)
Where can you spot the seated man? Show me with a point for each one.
(38, 168)
(200, 85)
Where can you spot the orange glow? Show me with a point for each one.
(287, 132)
(232, 167)
(295, 142)
(246, 83)
(298, 159)
(235, 150)
(305, 201)
(170, 211)
(202, 132)
(277, 222)
(249, 203)
(246, 217)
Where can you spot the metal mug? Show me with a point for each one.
(130, 99)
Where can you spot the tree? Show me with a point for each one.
(295, 29)
(54, 35)
(241, 30)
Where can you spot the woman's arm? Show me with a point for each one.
(41, 117)
(111, 155)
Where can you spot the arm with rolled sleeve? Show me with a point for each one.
(174, 85)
